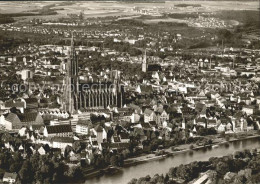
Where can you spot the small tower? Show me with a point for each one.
(210, 62)
(183, 124)
(100, 136)
(144, 64)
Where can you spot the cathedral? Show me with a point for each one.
(80, 95)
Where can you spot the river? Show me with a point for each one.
(162, 166)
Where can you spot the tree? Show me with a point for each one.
(166, 178)
(238, 154)
(222, 168)
(184, 172)
(225, 35)
(99, 161)
(59, 171)
(77, 146)
(114, 160)
(3, 93)
(67, 150)
(255, 178)
(15, 110)
(45, 169)
(147, 178)
(38, 176)
(15, 167)
(74, 172)
(121, 160)
(172, 172)
(191, 146)
(24, 173)
(77, 172)
(237, 165)
(247, 153)
(227, 137)
(126, 153)
(222, 134)
(133, 181)
(34, 160)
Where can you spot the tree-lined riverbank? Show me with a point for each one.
(181, 157)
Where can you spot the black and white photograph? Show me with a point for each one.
(130, 92)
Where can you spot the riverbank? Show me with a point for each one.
(181, 149)
(162, 165)
(185, 148)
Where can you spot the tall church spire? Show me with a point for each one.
(72, 40)
(72, 82)
(144, 64)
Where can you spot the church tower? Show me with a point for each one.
(72, 81)
(144, 64)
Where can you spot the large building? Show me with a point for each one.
(17, 121)
(71, 80)
(146, 67)
(26, 74)
(58, 131)
(83, 94)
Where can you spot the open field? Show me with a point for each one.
(153, 21)
(102, 9)
(177, 14)
(20, 7)
(216, 5)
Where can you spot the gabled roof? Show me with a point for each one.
(99, 128)
(31, 100)
(84, 122)
(211, 121)
(225, 120)
(238, 114)
(44, 147)
(201, 120)
(27, 117)
(146, 125)
(146, 89)
(135, 107)
(148, 112)
(10, 175)
(11, 117)
(199, 107)
(36, 127)
(153, 123)
(116, 139)
(16, 104)
(58, 129)
(63, 139)
(124, 135)
(118, 145)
